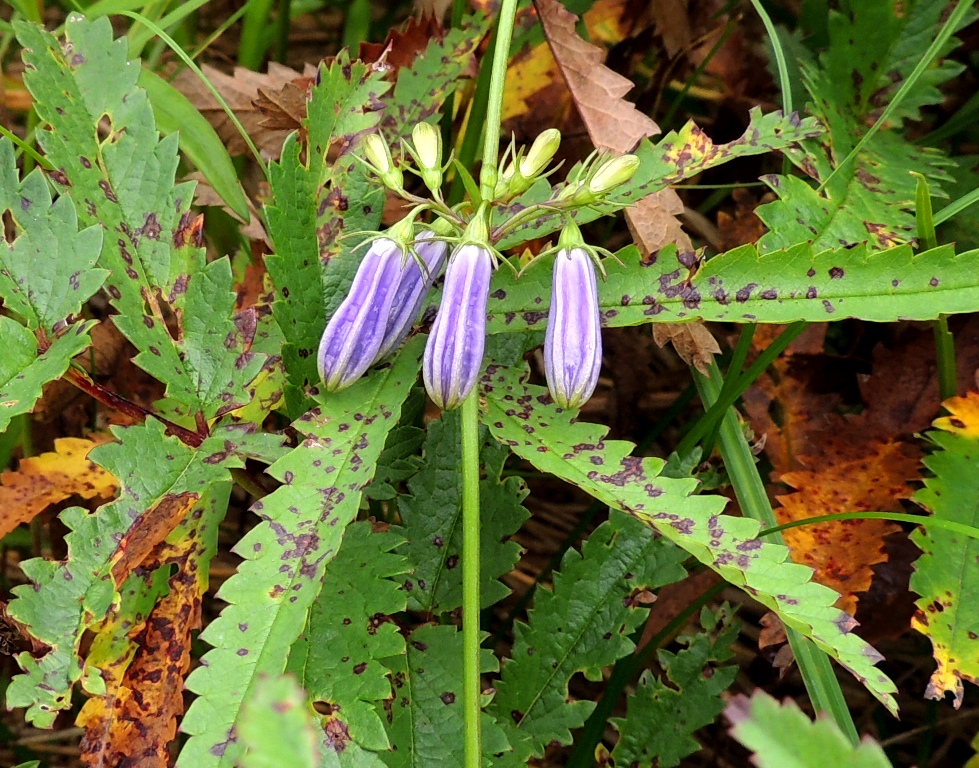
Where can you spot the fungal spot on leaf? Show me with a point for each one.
(744, 294)
(451, 562)
(360, 668)
(828, 306)
(499, 293)
(836, 273)
(448, 698)
(933, 282)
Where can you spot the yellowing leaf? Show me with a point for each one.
(872, 478)
(41, 481)
(945, 575)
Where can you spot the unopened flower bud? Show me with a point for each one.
(379, 156)
(355, 332)
(611, 174)
(573, 341)
(412, 289)
(428, 149)
(454, 354)
(540, 154)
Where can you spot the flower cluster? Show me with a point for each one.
(400, 267)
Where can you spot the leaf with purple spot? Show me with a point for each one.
(523, 416)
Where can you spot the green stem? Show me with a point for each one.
(494, 104)
(817, 671)
(470, 580)
(470, 424)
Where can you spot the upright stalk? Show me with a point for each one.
(470, 424)
(470, 579)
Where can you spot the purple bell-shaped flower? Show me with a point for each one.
(357, 329)
(412, 289)
(454, 354)
(573, 342)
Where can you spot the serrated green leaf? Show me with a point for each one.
(945, 574)
(744, 285)
(782, 736)
(48, 271)
(870, 199)
(661, 718)
(125, 182)
(67, 597)
(285, 556)
(432, 522)
(677, 156)
(582, 626)
(276, 728)
(213, 354)
(398, 461)
(23, 372)
(425, 716)
(525, 418)
(350, 629)
(198, 139)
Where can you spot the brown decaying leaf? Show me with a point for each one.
(281, 93)
(692, 341)
(146, 533)
(41, 481)
(135, 721)
(612, 122)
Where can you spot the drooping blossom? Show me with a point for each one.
(357, 329)
(573, 341)
(412, 290)
(454, 353)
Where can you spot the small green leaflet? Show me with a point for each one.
(525, 418)
(869, 199)
(422, 87)
(425, 718)
(67, 597)
(125, 182)
(783, 736)
(582, 625)
(303, 523)
(661, 718)
(48, 272)
(743, 285)
(350, 629)
(945, 575)
(432, 522)
(23, 372)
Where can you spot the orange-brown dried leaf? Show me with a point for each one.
(135, 722)
(41, 481)
(867, 477)
(149, 531)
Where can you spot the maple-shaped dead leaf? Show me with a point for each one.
(136, 720)
(280, 92)
(41, 481)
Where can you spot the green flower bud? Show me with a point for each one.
(611, 174)
(540, 154)
(379, 156)
(428, 151)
